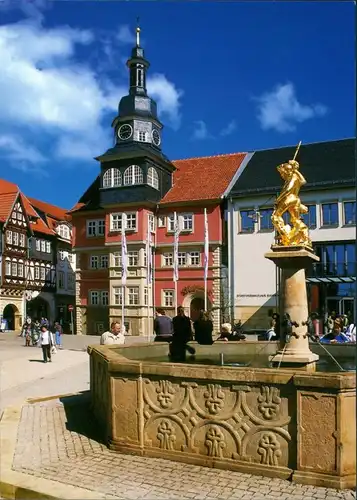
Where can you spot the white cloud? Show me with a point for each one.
(280, 109)
(229, 129)
(46, 90)
(200, 131)
(125, 35)
(24, 156)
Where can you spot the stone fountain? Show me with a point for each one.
(289, 422)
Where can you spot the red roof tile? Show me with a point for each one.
(51, 210)
(76, 207)
(40, 227)
(204, 178)
(8, 187)
(28, 207)
(7, 201)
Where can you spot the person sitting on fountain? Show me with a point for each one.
(115, 336)
(182, 333)
(203, 327)
(226, 332)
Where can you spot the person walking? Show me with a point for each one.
(46, 343)
(114, 336)
(162, 327)
(58, 334)
(182, 334)
(203, 327)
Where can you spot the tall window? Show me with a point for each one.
(310, 217)
(61, 279)
(349, 212)
(153, 178)
(37, 273)
(146, 296)
(131, 221)
(94, 262)
(133, 295)
(118, 295)
(186, 222)
(117, 259)
(8, 267)
(133, 175)
(182, 258)
(94, 298)
(22, 240)
(247, 218)
(15, 238)
(112, 178)
(43, 246)
(152, 223)
(265, 219)
(133, 258)
(9, 237)
(42, 273)
(14, 268)
(48, 246)
(171, 223)
(95, 228)
(38, 245)
(104, 298)
(168, 259)
(20, 269)
(140, 77)
(169, 297)
(104, 261)
(330, 214)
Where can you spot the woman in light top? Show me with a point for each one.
(46, 343)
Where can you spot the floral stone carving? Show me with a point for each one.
(214, 398)
(269, 449)
(166, 435)
(165, 394)
(269, 402)
(215, 441)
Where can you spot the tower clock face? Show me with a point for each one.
(125, 132)
(156, 139)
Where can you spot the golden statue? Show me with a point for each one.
(296, 233)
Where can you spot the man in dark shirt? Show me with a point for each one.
(162, 327)
(181, 335)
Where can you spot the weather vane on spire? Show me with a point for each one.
(137, 32)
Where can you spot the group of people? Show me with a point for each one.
(178, 332)
(40, 333)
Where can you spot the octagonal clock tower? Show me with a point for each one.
(135, 169)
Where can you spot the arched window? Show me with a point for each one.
(112, 178)
(153, 178)
(133, 175)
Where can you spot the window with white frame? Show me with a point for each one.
(43, 246)
(9, 237)
(20, 269)
(94, 298)
(94, 261)
(61, 280)
(64, 231)
(194, 258)
(168, 298)
(146, 296)
(104, 298)
(181, 258)
(349, 213)
(118, 295)
(38, 245)
(8, 267)
(153, 178)
(15, 239)
(104, 261)
(152, 223)
(37, 272)
(112, 178)
(115, 222)
(61, 254)
(133, 258)
(131, 221)
(168, 259)
(95, 228)
(48, 246)
(42, 273)
(186, 222)
(161, 221)
(117, 259)
(133, 295)
(171, 223)
(14, 268)
(133, 175)
(22, 240)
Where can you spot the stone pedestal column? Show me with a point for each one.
(293, 261)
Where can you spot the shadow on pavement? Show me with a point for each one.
(79, 416)
(36, 361)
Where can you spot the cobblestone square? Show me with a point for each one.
(59, 441)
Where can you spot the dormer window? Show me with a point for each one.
(64, 232)
(112, 178)
(133, 175)
(153, 178)
(142, 136)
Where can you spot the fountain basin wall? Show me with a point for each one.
(279, 423)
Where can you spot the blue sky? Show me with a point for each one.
(227, 76)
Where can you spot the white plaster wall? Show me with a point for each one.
(252, 276)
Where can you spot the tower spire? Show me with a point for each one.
(137, 32)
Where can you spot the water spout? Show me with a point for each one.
(221, 359)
